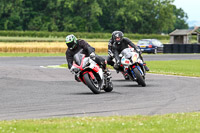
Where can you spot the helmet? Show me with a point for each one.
(117, 36)
(71, 41)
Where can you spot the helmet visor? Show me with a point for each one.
(118, 39)
(71, 45)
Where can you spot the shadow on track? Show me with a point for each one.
(121, 80)
(134, 85)
(90, 93)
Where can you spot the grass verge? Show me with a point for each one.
(169, 123)
(176, 67)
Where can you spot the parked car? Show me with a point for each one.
(150, 46)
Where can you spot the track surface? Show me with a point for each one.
(30, 91)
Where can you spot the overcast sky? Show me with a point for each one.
(191, 7)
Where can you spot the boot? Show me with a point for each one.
(108, 73)
(125, 74)
(77, 79)
(145, 67)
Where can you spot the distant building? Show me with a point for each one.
(183, 36)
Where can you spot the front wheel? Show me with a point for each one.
(94, 87)
(140, 79)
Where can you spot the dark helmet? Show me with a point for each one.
(117, 36)
(71, 41)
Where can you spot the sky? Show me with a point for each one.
(191, 7)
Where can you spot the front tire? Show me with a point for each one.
(90, 83)
(140, 79)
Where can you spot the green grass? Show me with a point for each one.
(169, 123)
(64, 65)
(176, 67)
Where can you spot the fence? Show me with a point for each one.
(181, 48)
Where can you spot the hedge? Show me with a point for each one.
(84, 35)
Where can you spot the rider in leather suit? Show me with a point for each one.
(74, 46)
(116, 44)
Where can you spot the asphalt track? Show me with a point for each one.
(28, 90)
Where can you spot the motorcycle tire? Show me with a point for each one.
(109, 88)
(90, 84)
(140, 79)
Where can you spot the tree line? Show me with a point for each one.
(130, 16)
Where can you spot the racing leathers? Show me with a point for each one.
(115, 49)
(87, 50)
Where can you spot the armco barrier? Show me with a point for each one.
(189, 48)
(167, 48)
(196, 48)
(175, 48)
(181, 48)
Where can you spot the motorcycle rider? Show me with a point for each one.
(116, 44)
(74, 46)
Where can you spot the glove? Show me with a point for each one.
(110, 53)
(92, 55)
(74, 70)
(138, 51)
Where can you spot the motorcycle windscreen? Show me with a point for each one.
(85, 61)
(127, 53)
(78, 58)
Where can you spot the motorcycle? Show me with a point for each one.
(88, 71)
(133, 66)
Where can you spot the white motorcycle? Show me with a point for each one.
(133, 66)
(89, 72)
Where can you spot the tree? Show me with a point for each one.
(83, 15)
(136, 16)
(181, 18)
(10, 14)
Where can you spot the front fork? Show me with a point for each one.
(137, 67)
(90, 74)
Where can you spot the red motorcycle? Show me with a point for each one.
(88, 71)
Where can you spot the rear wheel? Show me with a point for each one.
(140, 79)
(94, 86)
